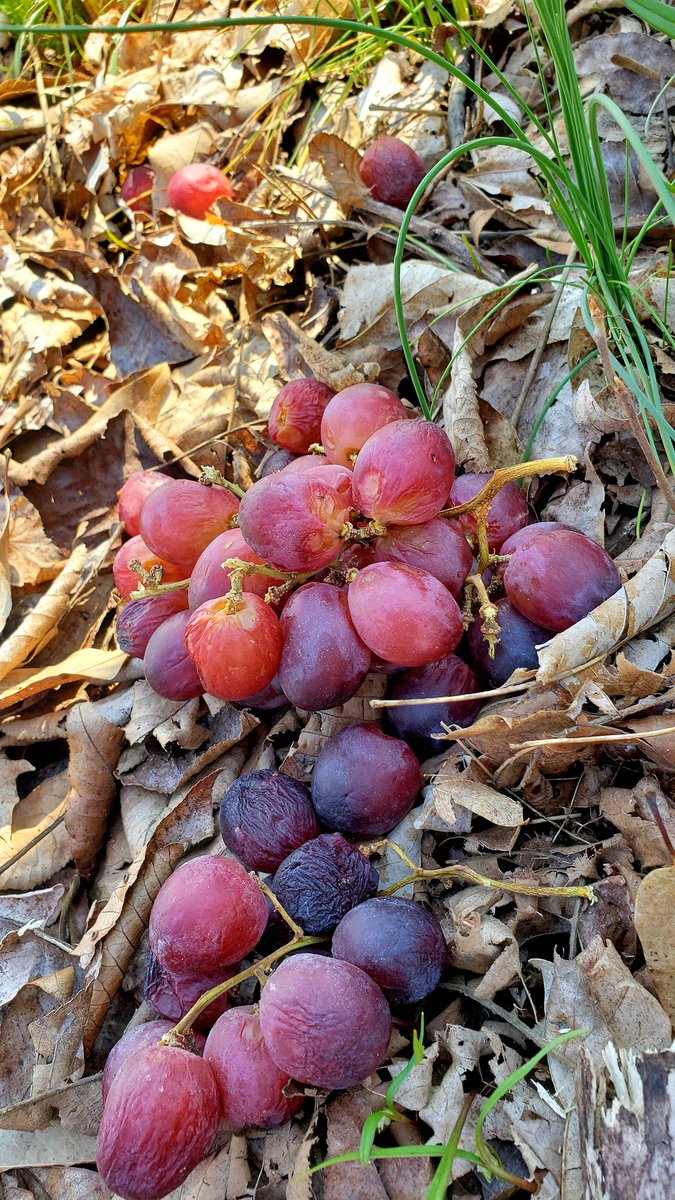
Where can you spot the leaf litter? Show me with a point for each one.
(131, 343)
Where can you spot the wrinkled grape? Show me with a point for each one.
(127, 580)
(194, 189)
(173, 995)
(395, 941)
(250, 1084)
(325, 1022)
(337, 476)
(435, 547)
(236, 653)
(294, 521)
(404, 473)
(516, 647)
(323, 660)
(137, 189)
(209, 579)
(139, 619)
(404, 615)
(392, 170)
(276, 462)
(207, 915)
(168, 667)
(364, 782)
(141, 1038)
(417, 723)
(159, 1120)
(180, 519)
(559, 577)
(523, 537)
(353, 415)
(133, 494)
(507, 514)
(264, 816)
(318, 883)
(295, 417)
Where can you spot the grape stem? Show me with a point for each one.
(295, 929)
(212, 477)
(151, 581)
(488, 612)
(467, 875)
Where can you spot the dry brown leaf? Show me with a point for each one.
(655, 925)
(35, 813)
(5, 584)
(41, 624)
(33, 557)
(340, 163)
(97, 666)
(94, 745)
(296, 353)
(50, 1147)
(450, 788)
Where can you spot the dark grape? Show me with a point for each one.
(295, 417)
(395, 941)
(207, 915)
(365, 782)
(210, 579)
(267, 698)
(140, 1038)
(180, 519)
(323, 660)
(294, 521)
(133, 494)
(523, 537)
(139, 619)
(353, 415)
(403, 614)
(516, 647)
(137, 190)
(194, 189)
(404, 473)
(318, 883)
(168, 667)
(160, 1118)
(127, 580)
(507, 514)
(264, 817)
(250, 1084)
(436, 546)
(417, 723)
(559, 577)
(173, 995)
(392, 170)
(236, 653)
(325, 1022)
(276, 462)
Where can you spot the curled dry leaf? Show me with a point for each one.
(97, 666)
(298, 354)
(41, 624)
(340, 163)
(94, 745)
(37, 815)
(449, 788)
(5, 585)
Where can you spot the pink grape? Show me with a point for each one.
(560, 577)
(517, 644)
(139, 619)
(325, 1022)
(140, 1038)
(194, 189)
(392, 170)
(159, 1121)
(403, 614)
(323, 660)
(354, 415)
(236, 653)
(133, 494)
(507, 514)
(418, 723)
(173, 995)
(404, 473)
(295, 417)
(395, 941)
(294, 521)
(338, 477)
(137, 189)
(126, 580)
(180, 519)
(168, 667)
(250, 1084)
(436, 546)
(364, 782)
(209, 579)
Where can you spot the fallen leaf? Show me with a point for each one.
(449, 788)
(94, 745)
(97, 666)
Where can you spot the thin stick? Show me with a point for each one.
(30, 845)
(595, 739)
(513, 689)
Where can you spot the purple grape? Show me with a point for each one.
(168, 667)
(173, 995)
(323, 661)
(322, 880)
(276, 462)
(517, 644)
(264, 817)
(139, 619)
(416, 723)
(365, 782)
(395, 941)
(267, 698)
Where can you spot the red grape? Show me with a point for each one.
(209, 579)
(338, 477)
(133, 494)
(277, 461)
(365, 782)
(194, 189)
(174, 995)
(507, 514)
(516, 647)
(180, 519)
(392, 170)
(140, 1038)
(294, 521)
(321, 880)
(236, 653)
(264, 816)
(323, 660)
(354, 415)
(139, 619)
(395, 941)
(523, 537)
(325, 1022)
(404, 473)
(404, 615)
(295, 417)
(159, 1120)
(207, 915)
(168, 667)
(250, 1084)
(436, 547)
(417, 723)
(126, 580)
(137, 189)
(559, 577)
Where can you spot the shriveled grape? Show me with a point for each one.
(236, 651)
(508, 511)
(265, 816)
(365, 782)
(295, 417)
(168, 667)
(318, 883)
(139, 619)
(404, 473)
(141, 1038)
(517, 644)
(180, 519)
(559, 577)
(133, 494)
(323, 660)
(449, 676)
(436, 546)
(392, 170)
(353, 415)
(403, 614)
(194, 189)
(137, 189)
(294, 521)
(173, 995)
(395, 941)
(250, 1084)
